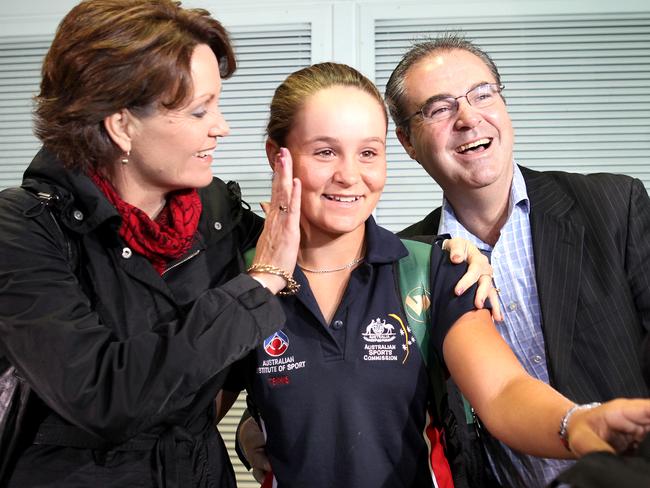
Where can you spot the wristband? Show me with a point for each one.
(564, 423)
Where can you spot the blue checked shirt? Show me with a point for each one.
(514, 274)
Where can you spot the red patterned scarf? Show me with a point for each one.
(161, 240)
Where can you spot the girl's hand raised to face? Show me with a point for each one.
(278, 244)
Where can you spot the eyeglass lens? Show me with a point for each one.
(443, 108)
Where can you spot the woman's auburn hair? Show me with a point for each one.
(110, 55)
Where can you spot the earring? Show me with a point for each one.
(125, 159)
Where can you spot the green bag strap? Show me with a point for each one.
(416, 297)
(248, 257)
(414, 281)
(413, 275)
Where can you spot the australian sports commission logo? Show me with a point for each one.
(380, 337)
(379, 331)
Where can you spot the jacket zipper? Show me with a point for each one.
(184, 260)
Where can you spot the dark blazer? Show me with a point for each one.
(591, 241)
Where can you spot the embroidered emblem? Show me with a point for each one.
(380, 334)
(277, 344)
(417, 304)
(379, 331)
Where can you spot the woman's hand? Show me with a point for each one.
(479, 271)
(616, 426)
(278, 243)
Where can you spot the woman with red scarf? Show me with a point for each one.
(124, 299)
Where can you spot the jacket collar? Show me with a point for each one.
(222, 209)
(382, 246)
(546, 194)
(81, 205)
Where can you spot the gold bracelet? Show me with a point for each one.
(292, 285)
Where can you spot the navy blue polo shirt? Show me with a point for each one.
(345, 404)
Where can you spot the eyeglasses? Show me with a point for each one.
(438, 108)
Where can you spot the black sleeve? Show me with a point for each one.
(114, 387)
(446, 307)
(238, 376)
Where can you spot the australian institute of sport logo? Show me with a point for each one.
(277, 344)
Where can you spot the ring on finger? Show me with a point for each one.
(283, 208)
(497, 289)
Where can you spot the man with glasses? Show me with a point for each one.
(571, 253)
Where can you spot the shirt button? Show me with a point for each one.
(217, 225)
(537, 358)
(127, 253)
(512, 307)
(78, 215)
(337, 324)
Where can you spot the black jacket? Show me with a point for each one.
(592, 267)
(125, 363)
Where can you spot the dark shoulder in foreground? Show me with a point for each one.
(16, 204)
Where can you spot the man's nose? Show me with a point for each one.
(467, 117)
